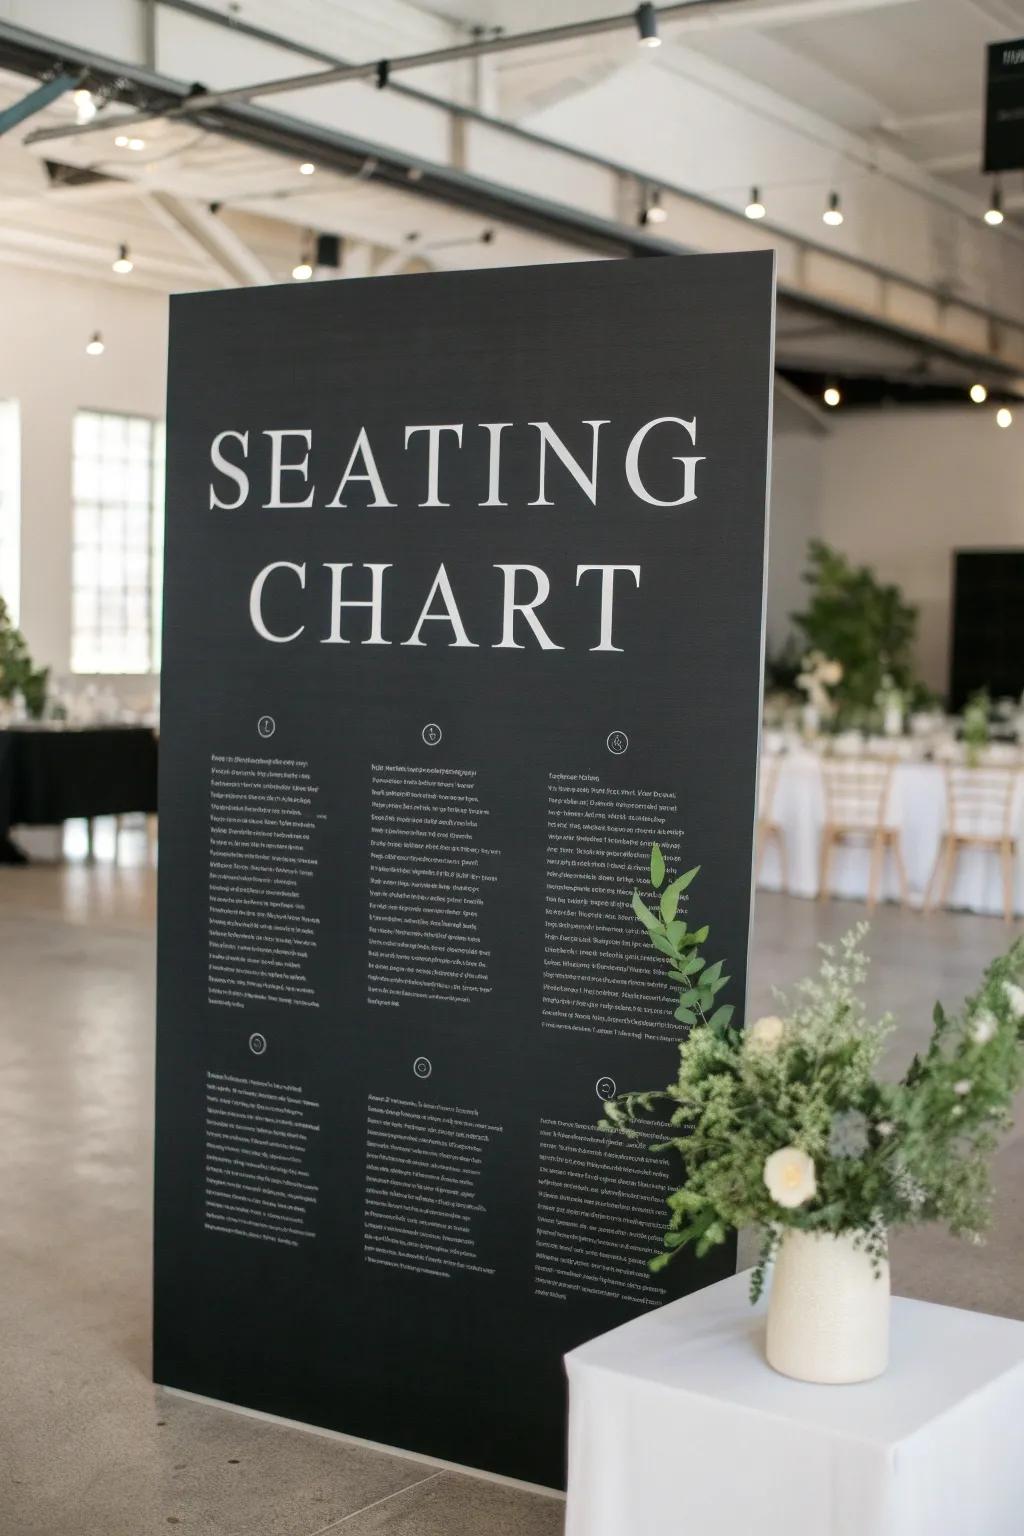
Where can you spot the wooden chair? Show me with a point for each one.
(979, 814)
(769, 829)
(856, 802)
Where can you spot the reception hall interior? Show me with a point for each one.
(239, 148)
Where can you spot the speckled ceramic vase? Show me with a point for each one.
(828, 1312)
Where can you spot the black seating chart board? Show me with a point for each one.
(463, 609)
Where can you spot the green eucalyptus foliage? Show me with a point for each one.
(852, 618)
(976, 725)
(17, 674)
(884, 1153)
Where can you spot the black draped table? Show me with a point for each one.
(48, 776)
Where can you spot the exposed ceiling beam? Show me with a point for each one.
(783, 13)
(212, 238)
(381, 70)
(102, 190)
(37, 100)
(940, 335)
(930, 119)
(943, 165)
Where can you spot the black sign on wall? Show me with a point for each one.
(463, 608)
(1004, 107)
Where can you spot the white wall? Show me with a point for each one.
(45, 322)
(902, 489)
(795, 516)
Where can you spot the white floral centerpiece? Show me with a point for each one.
(817, 675)
(788, 1127)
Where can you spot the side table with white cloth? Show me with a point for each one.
(678, 1425)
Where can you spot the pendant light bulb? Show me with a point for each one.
(978, 393)
(654, 212)
(755, 209)
(1004, 417)
(85, 106)
(832, 396)
(833, 215)
(94, 346)
(303, 270)
(123, 262)
(994, 211)
(647, 26)
(307, 168)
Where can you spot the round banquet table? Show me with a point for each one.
(917, 808)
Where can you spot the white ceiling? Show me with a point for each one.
(905, 73)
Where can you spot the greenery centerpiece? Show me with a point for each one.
(864, 625)
(788, 1126)
(976, 731)
(18, 674)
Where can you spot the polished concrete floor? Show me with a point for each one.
(87, 1446)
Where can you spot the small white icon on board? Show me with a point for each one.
(257, 1043)
(422, 1066)
(605, 1088)
(431, 734)
(617, 742)
(266, 725)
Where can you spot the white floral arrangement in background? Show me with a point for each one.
(817, 675)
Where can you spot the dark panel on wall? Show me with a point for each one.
(988, 624)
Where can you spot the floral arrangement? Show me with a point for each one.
(863, 624)
(18, 675)
(817, 675)
(788, 1125)
(976, 731)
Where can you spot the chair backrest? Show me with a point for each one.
(856, 791)
(980, 800)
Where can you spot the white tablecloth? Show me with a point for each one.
(917, 806)
(677, 1427)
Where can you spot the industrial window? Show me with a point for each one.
(117, 543)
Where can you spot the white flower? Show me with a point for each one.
(1015, 998)
(789, 1175)
(885, 1127)
(831, 672)
(983, 1027)
(963, 1087)
(765, 1034)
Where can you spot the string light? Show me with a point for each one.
(647, 26)
(123, 262)
(85, 106)
(307, 168)
(833, 214)
(94, 346)
(652, 211)
(978, 393)
(755, 209)
(832, 396)
(1004, 417)
(994, 211)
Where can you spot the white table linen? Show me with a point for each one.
(917, 807)
(677, 1425)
